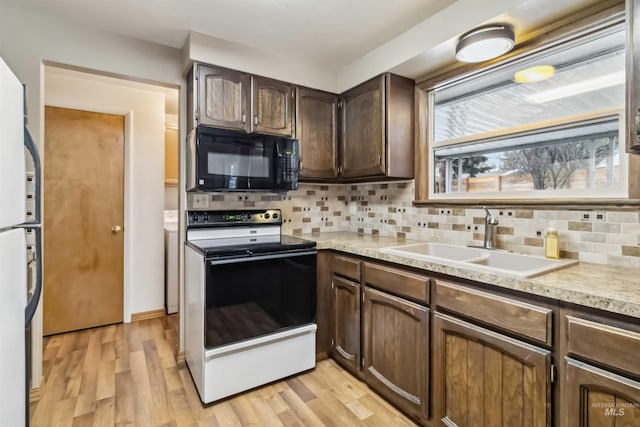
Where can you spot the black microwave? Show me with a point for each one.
(223, 160)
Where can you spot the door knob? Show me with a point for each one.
(116, 229)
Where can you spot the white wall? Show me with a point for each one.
(29, 37)
(144, 176)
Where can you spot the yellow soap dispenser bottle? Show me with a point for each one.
(551, 246)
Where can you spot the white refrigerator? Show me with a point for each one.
(17, 302)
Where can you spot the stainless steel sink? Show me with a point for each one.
(478, 259)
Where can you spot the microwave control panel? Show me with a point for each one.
(290, 162)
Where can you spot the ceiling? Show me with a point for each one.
(348, 40)
(331, 33)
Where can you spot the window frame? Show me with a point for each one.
(563, 32)
(549, 125)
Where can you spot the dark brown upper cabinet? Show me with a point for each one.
(222, 98)
(272, 106)
(234, 100)
(633, 77)
(317, 133)
(377, 136)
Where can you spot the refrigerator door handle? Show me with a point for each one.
(33, 150)
(30, 310)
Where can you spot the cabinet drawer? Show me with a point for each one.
(399, 282)
(347, 267)
(613, 346)
(508, 314)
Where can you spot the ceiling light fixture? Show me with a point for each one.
(483, 43)
(577, 88)
(534, 74)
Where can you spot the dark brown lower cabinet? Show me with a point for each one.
(395, 350)
(485, 379)
(594, 397)
(345, 343)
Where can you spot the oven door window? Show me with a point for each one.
(236, 163)
(250, 298)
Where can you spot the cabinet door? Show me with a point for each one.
(633, 79)
(171, 156)
(396, 354)
(363, 130)
(272, 106)
(223, 98)
(346, 323)
(317, 133)
(597, 398)
(485, 379)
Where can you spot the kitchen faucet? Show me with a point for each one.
(490, 224)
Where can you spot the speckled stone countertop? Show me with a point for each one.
(614, 289)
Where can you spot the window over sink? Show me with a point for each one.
(556, 133)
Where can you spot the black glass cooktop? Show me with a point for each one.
(249, 246)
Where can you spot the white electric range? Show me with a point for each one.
(250, 301)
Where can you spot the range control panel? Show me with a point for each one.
(202, 219)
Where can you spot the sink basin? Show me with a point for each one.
(521, 265)
(479, 259)
(428, 251)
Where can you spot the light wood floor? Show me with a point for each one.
(126, 375)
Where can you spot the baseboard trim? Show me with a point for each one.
(182, 357)
(146, 315)
(35, 394)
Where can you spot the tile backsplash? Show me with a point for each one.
(385, 209)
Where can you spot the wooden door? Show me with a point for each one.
(485, 379)
(395, 350)
(83, 201)
(363, 137)
(317, 133)
(272, 106)
(346, 323)
(594, 397)
(223, 98)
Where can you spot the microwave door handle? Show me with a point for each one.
(279, 171)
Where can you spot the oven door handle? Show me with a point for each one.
(261, 257)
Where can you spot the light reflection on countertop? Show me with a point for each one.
(610, 288)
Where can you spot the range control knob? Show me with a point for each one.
(249, 216)
(275, 216)
(267, 216)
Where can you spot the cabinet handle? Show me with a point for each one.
(340, 170)
(380, 160)
(255, 120)
(637, 123)
(244, 118)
